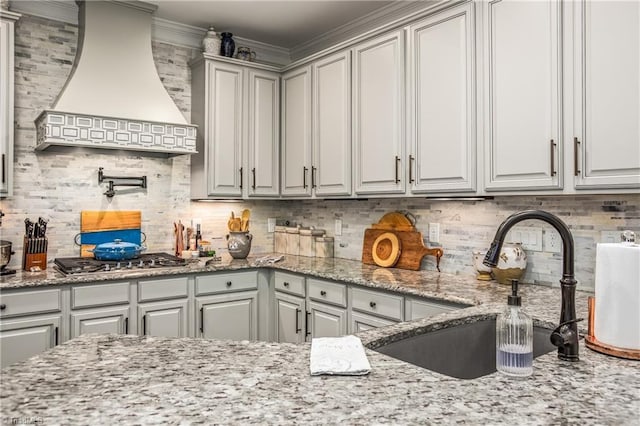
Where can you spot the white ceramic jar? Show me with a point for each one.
(211, 42)
(512, 263)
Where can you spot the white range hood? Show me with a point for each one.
(114, 98)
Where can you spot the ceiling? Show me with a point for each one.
(284, 24)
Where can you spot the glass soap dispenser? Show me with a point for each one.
(514, 338)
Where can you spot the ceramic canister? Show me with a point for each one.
(512, 263)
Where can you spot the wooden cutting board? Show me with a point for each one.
(413, 249)
(104, 226)
(394, 221)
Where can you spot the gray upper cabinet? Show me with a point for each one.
(7, 20)
(296, 133)
(522, 68)
(606, 106)
(378, 115)
(236, 108)
(441, 96)
(331, 167)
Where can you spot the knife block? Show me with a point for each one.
(34, 254)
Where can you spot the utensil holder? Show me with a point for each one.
(34, 254)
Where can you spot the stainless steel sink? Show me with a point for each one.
(465, 351)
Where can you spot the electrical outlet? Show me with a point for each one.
(271, 224)
(434, 232)
(610, 236)
(552, 241)
(530, 237)
(338, 227)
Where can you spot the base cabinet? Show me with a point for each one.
(166, 319)
(105, 320)
(290, 318)
(22, 338)
(362, 322)
(229, 316)
(326, 321)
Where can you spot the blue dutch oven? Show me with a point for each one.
(117, 250)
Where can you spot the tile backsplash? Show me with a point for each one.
(57, 185)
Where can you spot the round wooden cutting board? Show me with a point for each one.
(386, 250)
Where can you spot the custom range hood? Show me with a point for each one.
(114, 98)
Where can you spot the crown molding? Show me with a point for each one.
(375, 22)
(162, 30)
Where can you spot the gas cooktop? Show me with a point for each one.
(87, 265)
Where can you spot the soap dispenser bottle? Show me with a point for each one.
(514, 338)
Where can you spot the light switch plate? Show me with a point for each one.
(434, 232)
(529, 236)
(271, 224)
(338, 227)
(552, 241)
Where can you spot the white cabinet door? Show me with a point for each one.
(28, 336)
(224, 129)
(327, 321)
(263, 133)
(522, 94)
(232, 316)
(290, 318)
(296, 132)
(361, 322)
(103, 320)
(7, 20)
(442, 102)
(419, 308)
(331, 169)
(167, 319)
(607, 94)
(378, 95)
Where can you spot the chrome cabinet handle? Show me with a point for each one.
(576, 164)
(553, 157)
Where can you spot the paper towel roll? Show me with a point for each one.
(617, 312)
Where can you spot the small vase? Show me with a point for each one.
(512, 263)
(228, 46)
(484, 271)
(211, 42)
(239, 244)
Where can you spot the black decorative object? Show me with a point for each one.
(228, 46)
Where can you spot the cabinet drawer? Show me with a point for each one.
(168, 288)
(30, 302)
(376, 303)
(219, 283)
(290, 283)
(100, 295)
(325, 291)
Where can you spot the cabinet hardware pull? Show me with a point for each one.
(397, 169)
(3, 169)
(202, 320)
(372, 304)
(229, 283)
(411, 160)
(313, 176)
(144, 325)
(3, 307)
(253, 184)
(323, 293)
(306, 323)
(553, 157)
(240, 177)
(298, 329)
(286, 284)
(56, 336)
(576, 165)
(304, 177)
(126, 325)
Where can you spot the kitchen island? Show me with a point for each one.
(98, 379)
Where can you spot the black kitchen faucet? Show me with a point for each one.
(565, 336)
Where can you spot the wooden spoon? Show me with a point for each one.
(245, 219)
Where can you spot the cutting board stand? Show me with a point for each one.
(412, 246)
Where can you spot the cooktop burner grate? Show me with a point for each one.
(85, 265)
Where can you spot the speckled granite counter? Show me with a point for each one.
(98, 379)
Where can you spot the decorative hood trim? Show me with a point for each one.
(113, 97)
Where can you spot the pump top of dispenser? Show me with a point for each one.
(514, 299)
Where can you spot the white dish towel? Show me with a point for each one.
(338, 356)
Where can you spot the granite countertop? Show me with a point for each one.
(96, 379)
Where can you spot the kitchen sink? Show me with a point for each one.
(465, 351)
